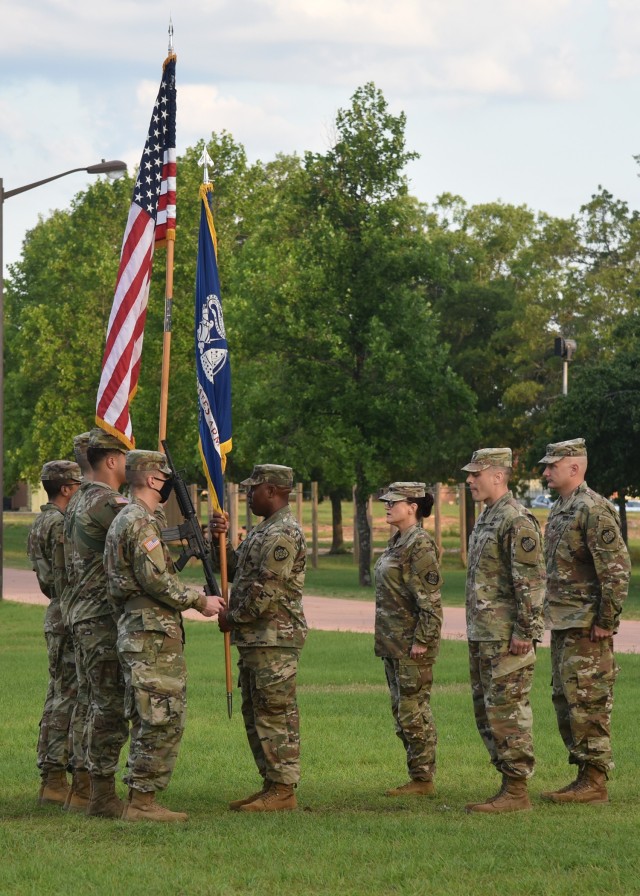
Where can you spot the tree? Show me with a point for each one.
(603, 407)
(58, 301)
(340, 324)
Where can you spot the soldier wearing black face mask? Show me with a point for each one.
(144, 587)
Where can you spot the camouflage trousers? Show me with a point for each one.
(583, 675)
(106, 726)
(270, 711)
(78, 726)
(156, 703)
(500, 687)
(410, 689)
(53, 740)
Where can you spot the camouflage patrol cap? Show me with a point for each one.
(62, 471)
(557, 450)
(274, 474)
(98, 438)
(402, 491)
(81, 442)
(489, 457)
(147, 461)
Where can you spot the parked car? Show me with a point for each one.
(544, 501)
(632, 505)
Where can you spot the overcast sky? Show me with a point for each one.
(528, 101)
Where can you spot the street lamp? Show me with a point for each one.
(566, 349)
(114, 167)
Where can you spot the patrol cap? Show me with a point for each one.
(401, 491)
(98, 438)
(557, 450)
(274, 474)
(81, 442)
(489, 457)
(147, 461)
(62, 471)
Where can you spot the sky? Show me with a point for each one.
(526, 101)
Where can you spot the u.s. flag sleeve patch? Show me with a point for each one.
(151, 543)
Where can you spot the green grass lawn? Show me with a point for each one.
(347, 838)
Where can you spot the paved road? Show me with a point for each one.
(324, 613)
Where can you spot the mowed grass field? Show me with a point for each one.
(346, 838)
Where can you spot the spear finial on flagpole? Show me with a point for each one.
(205, 160)
(170, 36)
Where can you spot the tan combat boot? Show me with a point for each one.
(54, 788)
(503, 787)
(413, 788)
(278, 798)
(104, 801)
(235, 804)
(80, 793)
(551, 794)
(143, 807)
(591, 788)
(513, 797)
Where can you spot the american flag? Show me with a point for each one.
(151, 222)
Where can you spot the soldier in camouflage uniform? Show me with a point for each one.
(267, 624)
(61, 479)
(504, 608)
(407, 629)
(94, 619)
(587, 581)
(80, 790)
(143, 586)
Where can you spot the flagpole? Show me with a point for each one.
(205, 160)
(224, 588)
(166, 341)
(168, 310)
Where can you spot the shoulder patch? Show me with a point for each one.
(120, 499)
(280, 553)
(151, 543)
(432, 577)
(608, 536)
(528, 544)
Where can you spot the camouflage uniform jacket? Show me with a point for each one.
(65, 558)
(85, 532)
(505, 574)
(142, 585)
(43, 545)
(408, 607)
(588, 563)
(268, 572)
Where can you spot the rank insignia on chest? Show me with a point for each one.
(528, 544)
(151, 543)
(280, 553)
(608, 536)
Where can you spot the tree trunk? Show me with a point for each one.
(364, 535)
(470, 509)
(622, 505)
(337, 533)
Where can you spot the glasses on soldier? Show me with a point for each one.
(389, 503)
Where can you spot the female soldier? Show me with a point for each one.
(407, 632)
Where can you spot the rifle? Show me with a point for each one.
(190, 532)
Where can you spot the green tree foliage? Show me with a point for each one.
(359, 382)
(603, 407)
(58, 302)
